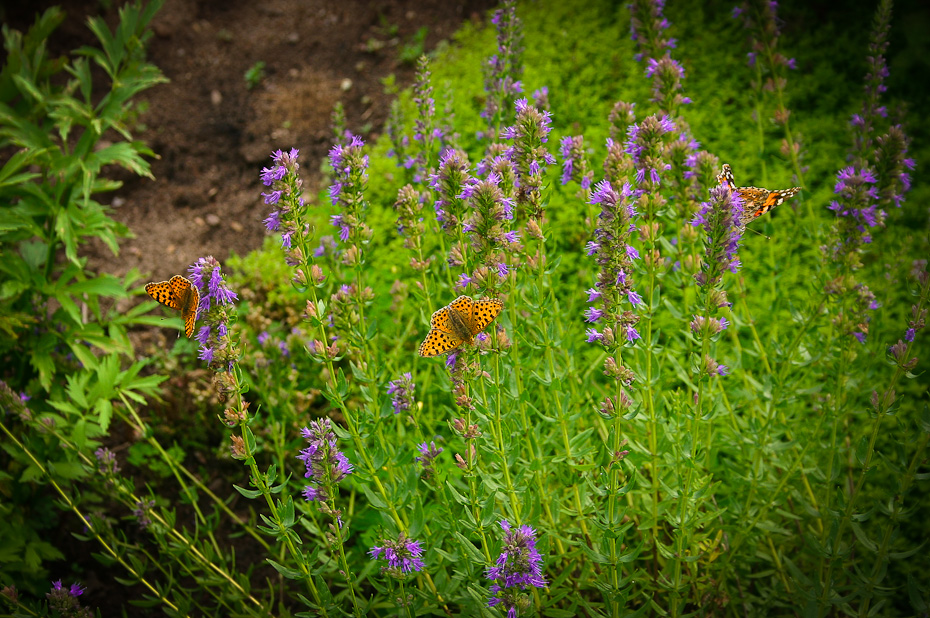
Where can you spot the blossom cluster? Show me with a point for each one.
(402, 554)
(856, 211)
(350, 170)
(647, 29)
(504, 69)
(216, 347)
(720, 220)
(284, 195)
(325, 464)
(864, 121)
(448, 182)
(528, 154)
(518, 567)
(614, 255)
(65, 600)
(645, 143)
(489, 208)
(401, 392)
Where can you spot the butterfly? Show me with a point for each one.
(458, 323)
(756, 201)
(178, 293)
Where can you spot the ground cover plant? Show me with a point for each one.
(530, 354)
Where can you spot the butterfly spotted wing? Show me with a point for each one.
(178, 293)
(756, 201)
(486, 310)
(458, 323)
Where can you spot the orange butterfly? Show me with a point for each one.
(178, 293)
(756, 201)
(458, 323)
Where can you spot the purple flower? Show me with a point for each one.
(518, 567)
(106, 461)
(401, 391)
(528, 154)
(593, 314)
(721, 219)
(215, 295)
(614, 257)
(325, 464)
(449, 183)
(402, 556)
(593, 335)
(427, 457)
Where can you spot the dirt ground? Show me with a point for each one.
(213, 135)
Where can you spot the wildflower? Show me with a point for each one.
(666, 74)
(872, 110)
(856, 211)
(448, 182)
(65, 601)
(142, 512)
(615, 260)
(106, 461)
(720, 219)
(518, 567)
(409, 208)
(216, 347)
(891, 162)
(424, 132)
(401, 392)
(428, 454)
(645, 144)
(504, 69)
(528, 153)
(647, 28)
(286, 184)
(489, 208)
(325, 464)
(708, 326)
(402, 556)
(350, 170)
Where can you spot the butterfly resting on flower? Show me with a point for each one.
(458, 323)
(756, 201)
(178, 293)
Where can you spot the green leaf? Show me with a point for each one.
(285, 571)
(248, 493)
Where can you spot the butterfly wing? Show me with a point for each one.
(725, 177)
(757, 202)
(485, 311)
(178, 293)
(439, 342)
(164, 293)
(189, 307)
(441, 321)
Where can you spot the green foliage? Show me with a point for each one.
(414, 48)
(60, 339)
(255, 74)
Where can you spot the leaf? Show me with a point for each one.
(285, 571)
(248, 493)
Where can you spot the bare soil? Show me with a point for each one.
(213, 134)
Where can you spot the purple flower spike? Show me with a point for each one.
(518, 567)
